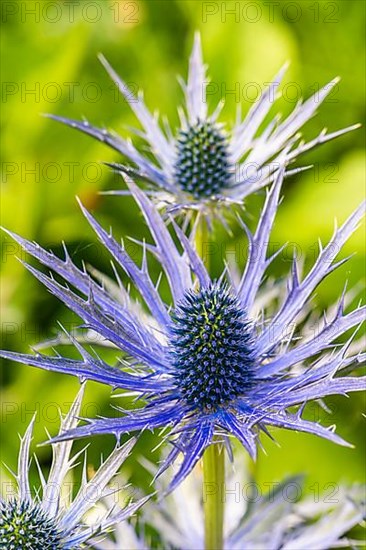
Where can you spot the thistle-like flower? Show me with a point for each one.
(282, 519)
(210, 365)
(202, 165)
(54, 521)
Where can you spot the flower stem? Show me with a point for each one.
(202, 242)
(213, 482)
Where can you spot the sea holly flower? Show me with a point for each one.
(208, 366)
(53, 521)
(281, 519)
(203, 165)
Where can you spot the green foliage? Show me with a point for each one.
(52, 67)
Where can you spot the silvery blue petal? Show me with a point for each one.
(300, 292)
(244, 132)
(196, 86)
(140, 276)
(154, 135)
(23, 463)
(257, 261)
(193, 451)
(92, 491)
(124, 147)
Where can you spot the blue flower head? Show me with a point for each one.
(218, 362)
(202, 165)
(49, 520)
(212, 347)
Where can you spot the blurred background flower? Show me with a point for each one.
(50, 53)
(279, 518)
(202, 165)
(52, 515)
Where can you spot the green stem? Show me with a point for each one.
(202, 242)
(214, 456)
(213, 484)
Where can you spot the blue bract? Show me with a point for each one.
(201, 165)
(228, 357)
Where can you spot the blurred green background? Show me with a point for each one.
(50, 66)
